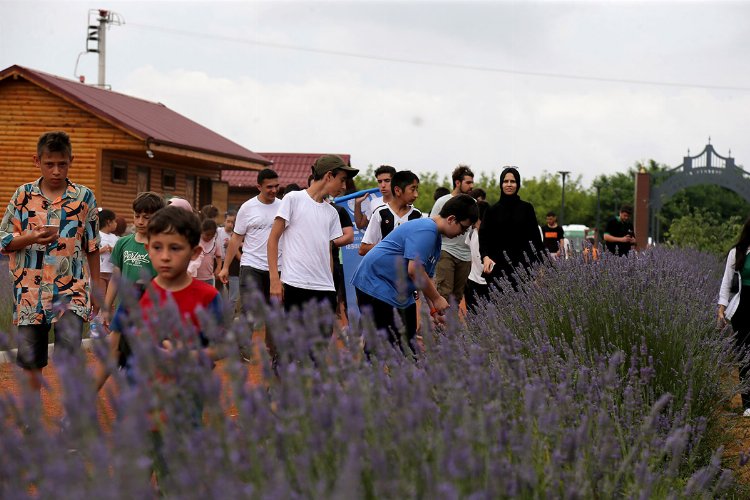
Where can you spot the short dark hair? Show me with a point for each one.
(54, 142)
(401, 179)
(230, 213)
(148, 202)
(208, 225)
(122, 226)
(208, 212)
(551, 214)
(460, 172)
(292, 187)
(176, 220)
(627, 208)
(106, 216)
(477, 193)
(440, 192)
(462, 207)
(267, 173)
(385, 169)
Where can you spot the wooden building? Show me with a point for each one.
(122, 145)
(291, 167)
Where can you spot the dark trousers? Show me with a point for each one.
(741, 327)
(298, 297)
(473, 292)
(384, 316)
(251, 277)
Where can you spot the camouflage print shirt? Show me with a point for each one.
(48, 279)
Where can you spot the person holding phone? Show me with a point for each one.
(50, 231)
(619, 237)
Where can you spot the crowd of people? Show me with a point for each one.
(73, 262)
(288, 248)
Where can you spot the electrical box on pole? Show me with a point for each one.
(96, 38)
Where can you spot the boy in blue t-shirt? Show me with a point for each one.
(404, 262)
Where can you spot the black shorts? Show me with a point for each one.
(298, 297)
(33, 340)
(251, 277)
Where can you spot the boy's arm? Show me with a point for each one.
(101, 373)
(109, 297)
(272, 248)
(96, 292)
(360, 219)
(419, 276)
(234, 244)
(364, 248)
(345, 238)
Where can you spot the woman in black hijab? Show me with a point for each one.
(510, 235)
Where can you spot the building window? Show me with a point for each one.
(119, 172)
(169, 179)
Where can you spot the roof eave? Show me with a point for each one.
(221, 159)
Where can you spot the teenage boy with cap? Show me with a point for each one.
(308, 223)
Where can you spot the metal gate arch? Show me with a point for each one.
(707, 167)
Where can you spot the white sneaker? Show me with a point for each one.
(746, 413)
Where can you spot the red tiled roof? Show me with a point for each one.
(141, 118)
(291, 167)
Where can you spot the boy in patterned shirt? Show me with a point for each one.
(50, 231)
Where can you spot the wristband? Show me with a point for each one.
(433, 311)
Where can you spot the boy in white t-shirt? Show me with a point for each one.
(405, 190)
(306, 224)
(107, 224)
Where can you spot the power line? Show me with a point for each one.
(437, 64)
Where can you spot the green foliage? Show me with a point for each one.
(713, 203)
(704, 231)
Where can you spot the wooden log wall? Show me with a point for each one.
(27, 111)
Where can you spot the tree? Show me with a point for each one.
(704, 231)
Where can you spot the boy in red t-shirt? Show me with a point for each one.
(173, 240)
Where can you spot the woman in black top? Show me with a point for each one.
(510, 234)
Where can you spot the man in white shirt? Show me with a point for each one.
(455, 256)
(251, 230)
(305, 225)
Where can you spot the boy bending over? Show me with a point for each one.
(404, 262)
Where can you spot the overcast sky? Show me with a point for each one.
(425, 85)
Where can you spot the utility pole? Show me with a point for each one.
(96, 38)
(563, 173)
(598, 210)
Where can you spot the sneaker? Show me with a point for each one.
(746, 413)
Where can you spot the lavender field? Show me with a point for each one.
(603, 379)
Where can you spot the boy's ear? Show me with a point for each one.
(196, 252)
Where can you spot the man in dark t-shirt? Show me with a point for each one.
(553, 235)
(619, 236)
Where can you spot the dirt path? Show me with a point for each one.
(12, 378)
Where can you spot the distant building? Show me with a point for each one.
(122, 145)
(291, 167)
